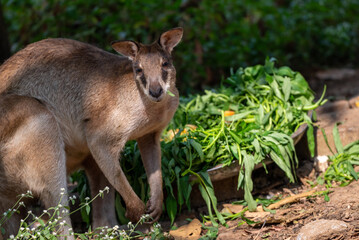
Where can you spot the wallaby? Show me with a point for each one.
(90, 103)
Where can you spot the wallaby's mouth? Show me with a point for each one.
(156, 94)
(156, 99)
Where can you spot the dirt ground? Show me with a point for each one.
(308, 217)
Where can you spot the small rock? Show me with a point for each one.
(320, 228)
(321, 163)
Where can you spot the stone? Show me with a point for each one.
(319, 229)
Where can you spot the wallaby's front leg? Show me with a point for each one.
(106, 153)
(150, 149)
(103, 209)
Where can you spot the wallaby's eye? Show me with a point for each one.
(165, 64)
(138, 70)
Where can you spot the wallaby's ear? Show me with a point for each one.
(127, 48)
(171, 38)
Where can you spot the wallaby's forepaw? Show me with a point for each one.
(154, 209)
(134, 213)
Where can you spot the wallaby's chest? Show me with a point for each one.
(150, 120)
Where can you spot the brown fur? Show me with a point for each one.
(98, 102)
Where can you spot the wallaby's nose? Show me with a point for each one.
(156, 91)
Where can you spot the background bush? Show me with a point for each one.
(219, 34)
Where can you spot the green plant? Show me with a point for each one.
(51, 229)
(14, 209)
(341, 164)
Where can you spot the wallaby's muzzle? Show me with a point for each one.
(156, 92)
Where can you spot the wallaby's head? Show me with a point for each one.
(152, 64)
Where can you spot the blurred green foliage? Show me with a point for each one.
(219, 34)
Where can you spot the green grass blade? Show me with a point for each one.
(337, 141)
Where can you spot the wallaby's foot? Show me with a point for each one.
(154, 209)
(135, 211)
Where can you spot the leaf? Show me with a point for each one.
(351, 170)
(326, 197)
(337, 141)
(248, 183)
(207, 200)
(238, 116)
(286, 88)
(179, 188)
(326, 140)
(186, 189)
(282, 165)
(88, 209)
(285, 71)
(311, 139)
(207, 184)
(120, 210)
(235, 136)
(171, 207)
(197, 147)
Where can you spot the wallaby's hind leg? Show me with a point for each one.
(103, 209)
(32, 155)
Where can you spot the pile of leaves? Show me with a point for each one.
(247, 120)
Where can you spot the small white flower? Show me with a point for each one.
(129, 224)
(32, 229)
(87, 198)
(60, 206)
(29, 192)
(62, 189)
(101, 191)
(54, 233)
(22, 220)
(12, 236)
(29, 212)
(106, 189)
(74, 197)
(45, 211)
